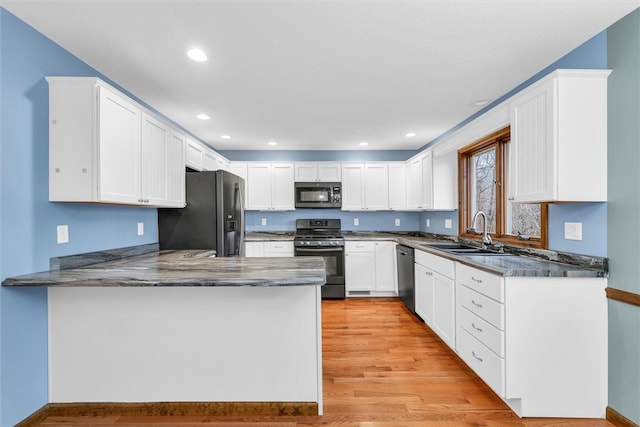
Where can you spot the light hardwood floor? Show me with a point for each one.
(382, 368)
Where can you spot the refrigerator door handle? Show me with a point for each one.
(237, 201)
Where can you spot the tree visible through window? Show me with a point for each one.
(484, 187)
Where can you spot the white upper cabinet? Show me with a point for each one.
(318, 171)
(445, 181)
(365, 186)
(209, 161)
(558, 149)
(194, 153)
(420, 182)
(104, 148)
(397, 186)
(270, 186)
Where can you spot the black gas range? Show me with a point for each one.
(323, 237)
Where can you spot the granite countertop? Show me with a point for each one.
(183, 268)
(525, 262)
(262, 236)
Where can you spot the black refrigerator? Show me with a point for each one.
(212, 219)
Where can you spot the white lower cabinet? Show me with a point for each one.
(370, 268)
(269, 249)
(435, 294)
(539, 342)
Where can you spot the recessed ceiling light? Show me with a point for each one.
(410, 135)
(225, 136)
(363, 144)
(481, 102)
(203, 116)
(272, 143)
(197, 55)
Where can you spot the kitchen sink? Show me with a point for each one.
(459, 249)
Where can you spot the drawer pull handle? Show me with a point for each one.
(476, 304)
(476, 280)
(475, 327)
(474, 355)
(428, 273)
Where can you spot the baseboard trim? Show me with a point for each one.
(36, 418)
(203, 409)
(619, 420)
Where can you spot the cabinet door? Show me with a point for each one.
(175, 170)
(445, 181)
(444, 308)
(193, 155)
(329, 172)
(153, 154)
(397, 186)
(414, 184)
(424, 293)
(282, 191)
(532, 166)
(278, 249)
(209, 162)
(385, 267)
(427, 181)
(119, 148)
(376, 187)
(259, 186)
(253, 249)
(352, 187)
(359, 276)
(305, 172)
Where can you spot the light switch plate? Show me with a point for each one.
(397, 222)
(356, 221)
(63, 233)
(263, 221)
(428, 222)
(141, 229)
(573, 230)
(448, 223)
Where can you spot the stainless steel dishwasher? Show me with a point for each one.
(406, 276)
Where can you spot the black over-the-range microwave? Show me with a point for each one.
(318, 194)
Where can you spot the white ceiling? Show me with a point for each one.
(319, 74)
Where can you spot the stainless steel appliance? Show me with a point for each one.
(323, 237)
(212, 219)
(406, 276)
(318, 195)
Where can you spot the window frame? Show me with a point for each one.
(498, 140)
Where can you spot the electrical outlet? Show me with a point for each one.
(573, 230)
(263, 221)
(448, 223)
(141, 229)
(356, 221)
(397, 222)
(63, 233)
(428, 222)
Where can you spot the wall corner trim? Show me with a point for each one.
(623, 296)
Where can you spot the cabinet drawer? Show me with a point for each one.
(441, 265)
(481, 281)
(486, 308)
(483, 361)
(278, 246)
(359, 247)
(482, 330)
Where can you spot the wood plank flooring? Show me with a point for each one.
(382, 368)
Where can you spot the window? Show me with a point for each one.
(483, 182)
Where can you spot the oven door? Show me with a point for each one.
(334, 266)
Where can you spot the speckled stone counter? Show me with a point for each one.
(183, 268)
(255, 236)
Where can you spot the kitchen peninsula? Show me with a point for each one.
(184, 326)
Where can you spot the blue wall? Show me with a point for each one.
(28, 220)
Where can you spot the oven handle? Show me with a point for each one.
(319, 249)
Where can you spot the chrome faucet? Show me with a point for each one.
(486, 239)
